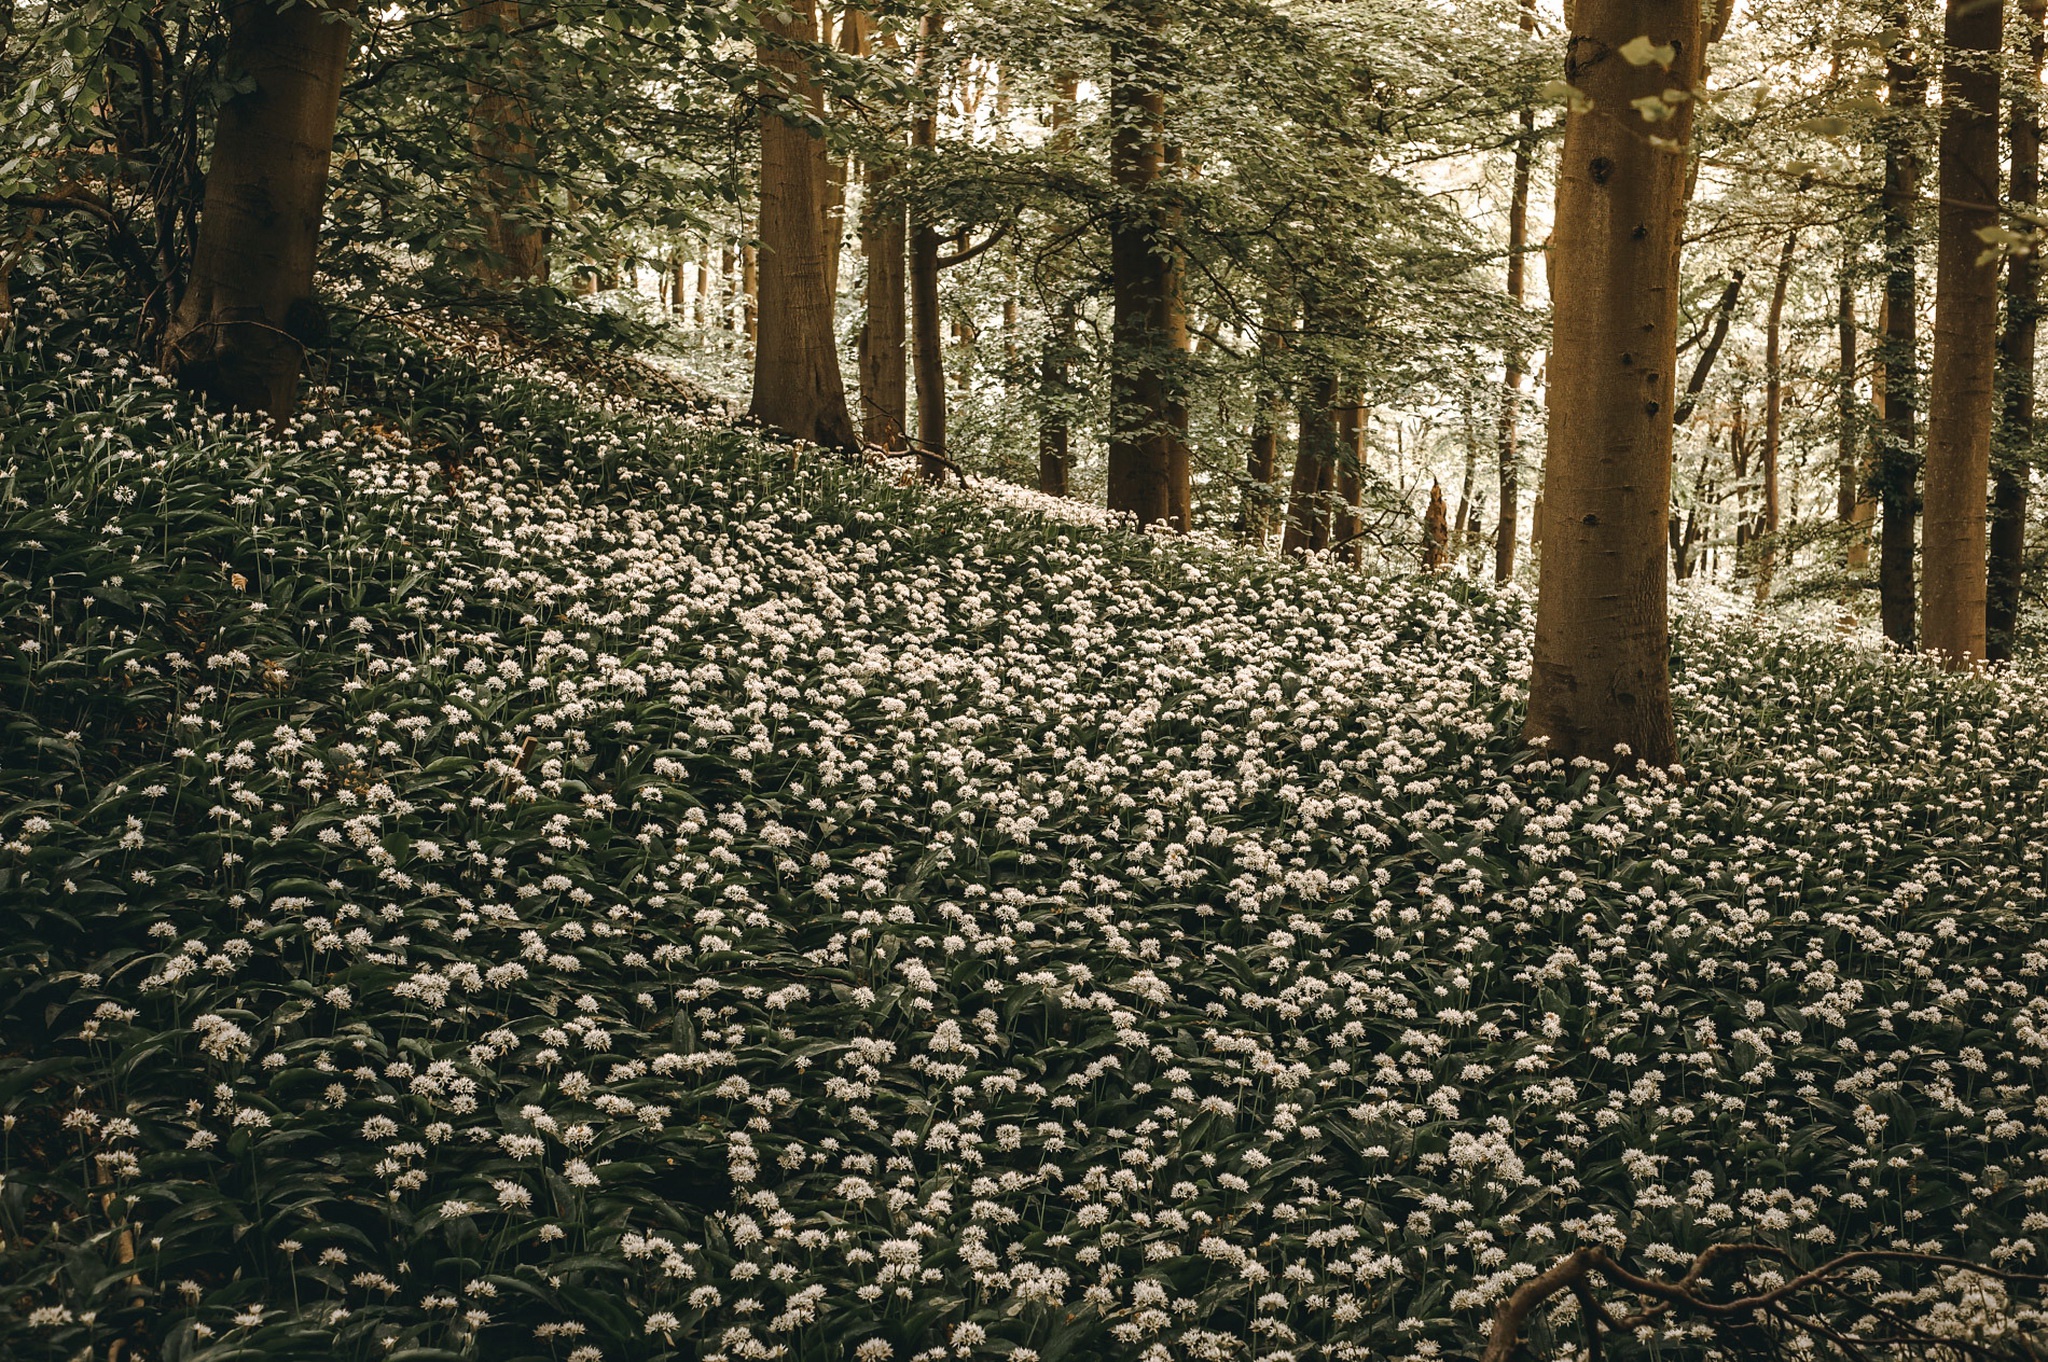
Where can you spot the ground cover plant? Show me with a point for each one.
(495, 871)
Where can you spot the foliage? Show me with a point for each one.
(497, 870)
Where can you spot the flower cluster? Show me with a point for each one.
(498, 868)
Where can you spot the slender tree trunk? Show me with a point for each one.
(750, 291)
(501, 138)
(240, 331)
(1354, 420)
(1436, 532)
(798, 388)
(706, 305)
(1055, 393)
(1261, 463)
(1848, 426)
(1600, 678)
(1898, 472)
(2016, 361)
(928, 359)
(1960, 403)
(1724, 312)
(833, 168)
(885, 336)
(1774, 415)
(1144, 473)
(1511, 387)
(1315, 465)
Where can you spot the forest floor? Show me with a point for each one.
(508, 871)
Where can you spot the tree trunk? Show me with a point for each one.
(1353, 421)
(1315, 466)
(502, 140)
(1960, 401)
(1897, 463)
(798, 388)
(1774, 416)
(1849, 473)
(240, 331)
(1511, 386)
(750, 291)
(2016, 361)
(1055, 393)
(1144, 474)
(1724, 312)
(1600, 678)
(928, 358)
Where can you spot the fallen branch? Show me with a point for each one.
(1684, 1297)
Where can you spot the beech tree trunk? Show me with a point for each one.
(1055, 390)
(1315, 466)
(1600, 678)
(2016, 362)
(240, 331)
(1960, 387)
(885, 336)
(1146, 478)
(1849, 479)
(502, 140)
(1511, 386)
(1898, 472)
(1774, 416)
(1354, 421)
(928, 359)
(798, 388)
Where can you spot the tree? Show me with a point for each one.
(501, 137)
(798, 388)
(1952, 593)
(1511, 386)
(2008, 535)
(1774, 416)
(927, 355)
(1897, 465)
(1600, 677)
(1145, 477)
(247, 314)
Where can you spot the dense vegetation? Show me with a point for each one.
(500, 867)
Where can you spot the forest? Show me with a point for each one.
(1043, 680)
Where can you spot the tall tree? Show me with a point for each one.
(1055, 361)
(885, 335)
(1774, 416)
(1898, 473)
(1600, 677)
(1960, 385)
(1315, 462)
(798, 388)
(1144, 473)
(2016, 360)
(247, 314)
(1511, 386)
(927, 353)
(501, 137)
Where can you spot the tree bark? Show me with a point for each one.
(240, 331)
(1952, 589)
(501, 138)
(2016, 362)
(1600, 678)
(928, 360)
(1315, 465)
(1774, 415)
(1848, 425)
(1354, 421)
(798, 388)
(1146, 479)
(1511, 387)
(1898, 470)
(885, 335)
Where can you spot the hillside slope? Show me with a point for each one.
(498, 872)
